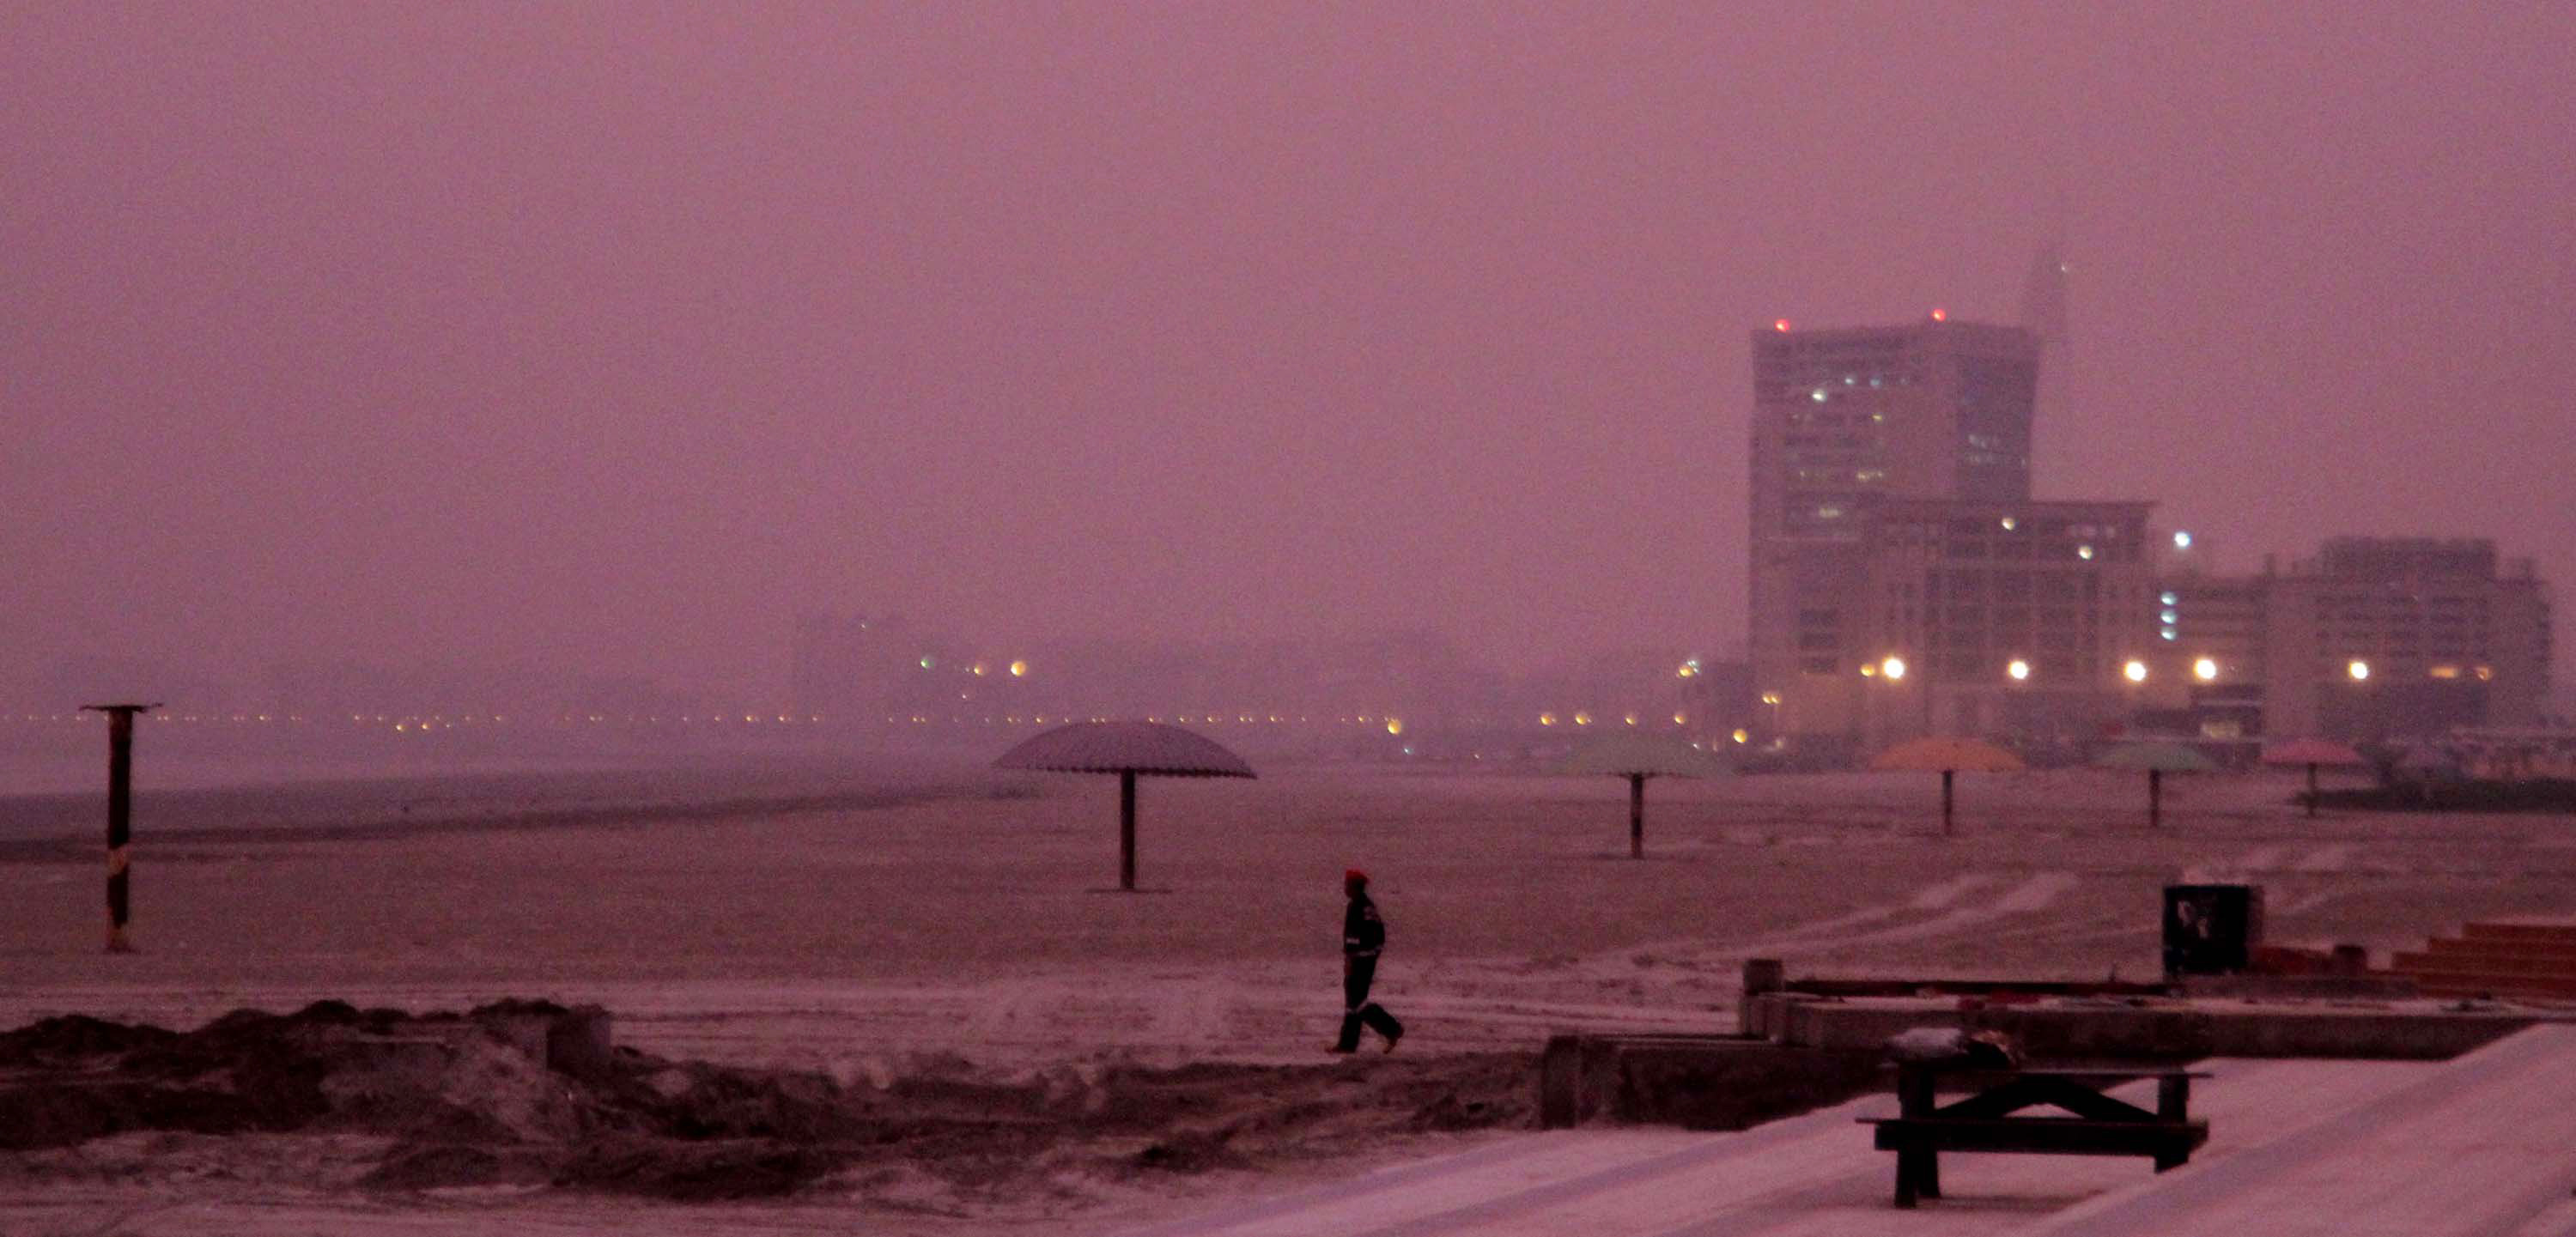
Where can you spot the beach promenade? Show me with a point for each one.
(2477, 1147)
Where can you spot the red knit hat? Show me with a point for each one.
(1354, 874)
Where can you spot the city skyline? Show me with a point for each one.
(608, 340)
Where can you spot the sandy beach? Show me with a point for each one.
(952, 921)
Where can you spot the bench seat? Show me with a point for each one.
(2041, 1135)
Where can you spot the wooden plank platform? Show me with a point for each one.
(2482, 1146)
(2477, 1148)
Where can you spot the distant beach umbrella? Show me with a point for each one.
(2315, 754)
(2428, 767)
(1126, 749)
(1637, 757)
(2158, 759)
(1947, 756)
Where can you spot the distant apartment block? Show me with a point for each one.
(2373, 638)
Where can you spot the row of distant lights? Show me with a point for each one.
(1893, 668)
(1017, 669)
(1584, 718)
(2134, 670)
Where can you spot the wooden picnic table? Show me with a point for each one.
(1988, 1119)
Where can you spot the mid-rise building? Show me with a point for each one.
(2373, 638)
(2028, 619)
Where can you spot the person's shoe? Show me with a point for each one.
(1338, 1050)
(1390, 1040)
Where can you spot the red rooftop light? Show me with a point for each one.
(1939, 314)
(1779, 324)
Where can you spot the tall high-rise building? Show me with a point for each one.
(1846, 420)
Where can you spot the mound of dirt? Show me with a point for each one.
(530, 1094)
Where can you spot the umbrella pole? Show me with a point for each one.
(2155, 798)
(2312, 789)
(1127, 830)
(1945, 802)
(1636, 815)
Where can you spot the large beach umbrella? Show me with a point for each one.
(2158, 759)
(1636, 757)
(2315, 754)
(1947, 756)
(1126, 749)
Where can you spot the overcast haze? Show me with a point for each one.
(612, 336)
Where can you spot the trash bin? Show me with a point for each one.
(2211, 929)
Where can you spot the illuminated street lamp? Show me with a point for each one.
(2134, 671)
(2205, 669)
(2357, 669)
(2018, 669)
(1893, 667)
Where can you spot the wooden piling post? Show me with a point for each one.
(120, 800)
(1636, 815)
(1127, 830)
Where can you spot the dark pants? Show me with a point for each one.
(1358, 1010)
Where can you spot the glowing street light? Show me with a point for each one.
(1893, 667)
(2019, 669)
(2358, 669)
(2134, 671)
(2205, 669)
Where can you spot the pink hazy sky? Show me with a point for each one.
(610, 336)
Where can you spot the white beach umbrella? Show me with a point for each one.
(1637, 757)
(1126, 749)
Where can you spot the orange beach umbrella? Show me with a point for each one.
(1947, 756)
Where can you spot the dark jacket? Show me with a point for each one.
(1363, 933)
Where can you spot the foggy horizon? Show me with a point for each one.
(612, 338)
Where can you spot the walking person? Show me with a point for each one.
(1363, 936)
